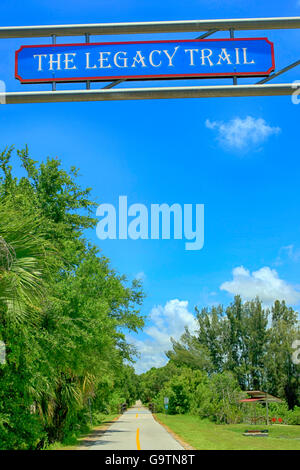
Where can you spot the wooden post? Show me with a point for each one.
(267, 410)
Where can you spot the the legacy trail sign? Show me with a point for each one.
(145, 60)
(91, 60)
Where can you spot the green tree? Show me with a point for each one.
(283, 376)
(188, 351)
(63, 310)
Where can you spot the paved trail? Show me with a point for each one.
(136, 430)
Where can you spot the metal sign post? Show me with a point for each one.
(166, 402)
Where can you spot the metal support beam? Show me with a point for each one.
(232, 37)
(87, 40)
(209, 33)
(113, 84)
(280, 72)
(151, 93)
(243, 24)
(54, 42)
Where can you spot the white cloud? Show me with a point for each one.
(239, 133)
(287, 253)
(140, 276)
(166, 322)
(264, 283)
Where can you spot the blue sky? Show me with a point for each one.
(238, 156)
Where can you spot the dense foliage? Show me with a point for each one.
(64, 313)
(244, 347)
(63, 310)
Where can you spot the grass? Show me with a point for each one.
(73, 441)
(205, 435)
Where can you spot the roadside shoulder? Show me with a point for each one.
(184, 444)
(95, 435)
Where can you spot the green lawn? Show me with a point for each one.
(204, 435)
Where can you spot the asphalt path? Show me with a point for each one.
(136, 429)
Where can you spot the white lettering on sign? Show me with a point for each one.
(40, 56)
(207, 56)
(55, 61)
(120, 59)
(191, 51)
(87, 62)
(171, 57)
(245, 57)
(224, 56)
(139, 59)
(69, 61)
(103, 60)
(151, 58)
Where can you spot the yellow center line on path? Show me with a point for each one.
(138, 439)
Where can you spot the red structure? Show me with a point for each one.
(257, 396)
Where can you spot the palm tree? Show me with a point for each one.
(25, 262)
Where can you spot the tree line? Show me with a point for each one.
(242, 347)
(63, 309)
